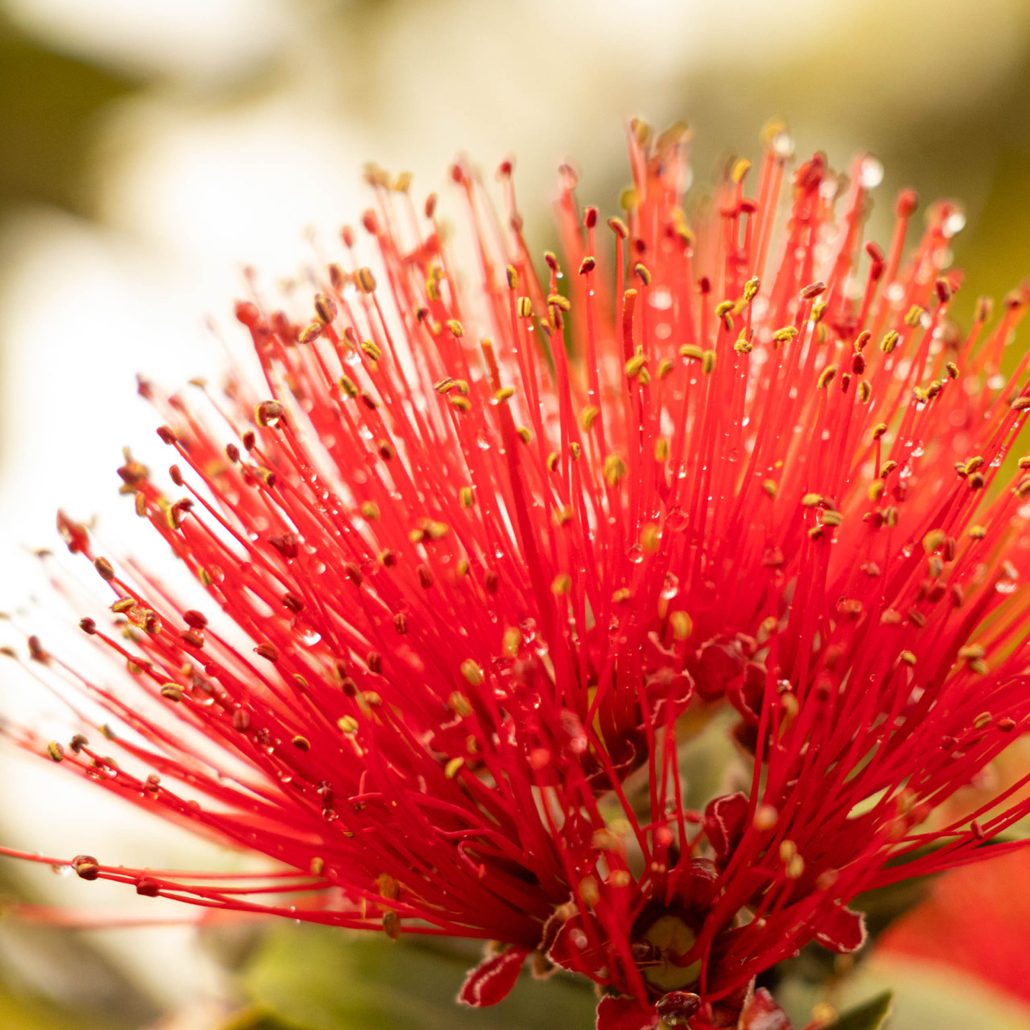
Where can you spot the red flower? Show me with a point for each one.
(975, 919)
(458, 593)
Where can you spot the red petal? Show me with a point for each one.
(624, 1013)
(762, 1013)
(570, 949)
(492, 980)
(725, 819)
(717, 664)
(842, 930)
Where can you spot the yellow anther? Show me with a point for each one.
(740, 168)
(650, 538)
(636, 364)
(458, 702)
(642, 273)
(472, 672)
(615, 469)
(511, 641)
(682, 625)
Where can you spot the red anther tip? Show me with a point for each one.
(907, 202)
(875, 253)
(247, 313)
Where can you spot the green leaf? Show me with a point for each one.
(253, 1018)
(317, 978)
(870, 1015)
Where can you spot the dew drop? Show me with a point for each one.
(661, 298)
(676, 519)
(954, 223)
(870, 172)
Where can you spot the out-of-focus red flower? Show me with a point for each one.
(478, 541)
(975, 920)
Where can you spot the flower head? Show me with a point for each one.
(475, 558)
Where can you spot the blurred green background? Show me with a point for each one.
(150, 148)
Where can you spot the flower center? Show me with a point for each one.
(671, 938)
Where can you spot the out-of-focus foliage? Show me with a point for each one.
(870, 1015)
(55, 980)
(48, 103)
(924, 998)
(326, 979)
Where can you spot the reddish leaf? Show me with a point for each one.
(624, 1013)
(717, 664)
(570, 948)
(842, 930)
(492, 980)
(725, 819)
(762, 1013)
